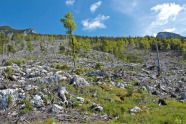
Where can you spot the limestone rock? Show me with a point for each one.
(97, 107)
(183, 95)
(80, 99)
(135, 110)
(61, 93)
(56, 108)
(79, 81)
(37, 101)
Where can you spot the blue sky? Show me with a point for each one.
(97, 17)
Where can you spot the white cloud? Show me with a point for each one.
(169, 17)
(166, 12)
(169, 30)
(70, 2)
(95, 23)
(155, 34)
(125, 6)
(94, 6)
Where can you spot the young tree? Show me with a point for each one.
(70, 26)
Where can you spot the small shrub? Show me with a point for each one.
(95, 79)
(61, 48)
(98, 66)
(79, 71)
(58, 66)
(61, 83)
(51, 121)
(67, 96)
(9, 100)
(130, 90)
(16, 61)
(8, 71)
(65, 67)
(28, 107)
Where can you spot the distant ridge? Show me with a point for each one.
(168, 35)
(10, 31)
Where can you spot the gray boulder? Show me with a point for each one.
(37, 101)
(2, 86)
(56, 108)
(4, 97)
(3, 105)
(80, 99)
(183, 95)
(96, 107)
(98, 73)
(120, 85)
(61, 93)
(79, 81)
(30, 87)
(151, 89)
(135, 110)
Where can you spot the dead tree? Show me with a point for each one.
(158, 61)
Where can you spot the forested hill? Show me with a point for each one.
(168, 35)
(10, 31)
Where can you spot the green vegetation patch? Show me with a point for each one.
(16, 61)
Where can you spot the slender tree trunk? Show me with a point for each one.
(74, 53)
(3, 50)
(158, 60)
(66, 39)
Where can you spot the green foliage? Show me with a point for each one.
(67, 96)
(130, 90)
(65, 67)
(58, 66)
(11, 49)
(16, 61)
(85, 44)
(95, 79)
(29, 38)
(61, 48)
(51, 121)
(69, 24)
(79, 71)
(29, 46)
(98, 66)
(9, 100)
(28, 107)
(8, 71)
(22, 45)
(41, 46)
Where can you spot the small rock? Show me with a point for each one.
(12, 78)
(3, 105)
(30, 87)
(88, 102)
(3, 62)
(183, 95)
(151, 89)
(135, 110)
(178, 90)
(56, 108)
(155, 93)
(61, 94)
(80, 99)
(79, 81)
(97, 107)
(37, 101)
(162, 102)
(173, 95)
(2, 86)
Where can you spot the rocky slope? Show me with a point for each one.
(9, 31)
(44, 85)
(168, 35)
